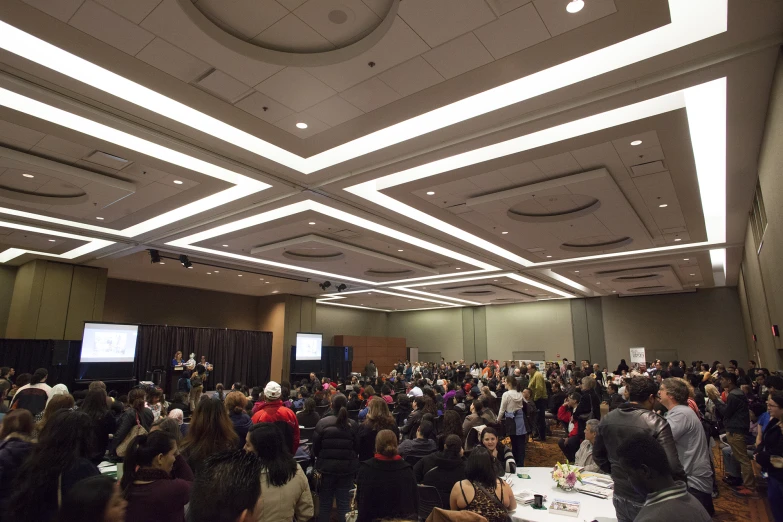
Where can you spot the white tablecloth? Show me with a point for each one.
(591, 508)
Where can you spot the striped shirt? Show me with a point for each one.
(674, 503)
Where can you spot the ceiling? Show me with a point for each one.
(429, 154)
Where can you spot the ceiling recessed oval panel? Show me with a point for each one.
(631, 279)
(596, 244)
(319, 255)
(65, 195)
(388, 273)
(477, 293)
(647, 289)
(550, 209)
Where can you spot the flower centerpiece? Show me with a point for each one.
(566, 476)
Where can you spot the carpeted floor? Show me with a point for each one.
(728, 508)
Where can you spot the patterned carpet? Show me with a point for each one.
(728, 508)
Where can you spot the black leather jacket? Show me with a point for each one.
(618, 425)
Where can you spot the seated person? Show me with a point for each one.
(479, 415)
(482, 492)
(422, 445)
(649, 473)
(584, 456)
(570, 445)
(502, 457)
(443, 469)
(308, 417)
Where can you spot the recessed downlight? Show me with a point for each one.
(677, 239)
(266, 282)
(225, 246)
(574, 6)
(687, 259)
(162, 263)
(504, 232)
(697, 284)
(636, 143)
(663, 205)
(209, 273)
(400, 250)
(430, 193)
(28, 175)
(576, 271)
(458, 268)
(311, 223)
(217, 271)
(693, 275)
(274, 291)
(52, 240)
(99, 218)
(177, 182)
(548, 257)
(239, 275)
(301, 125)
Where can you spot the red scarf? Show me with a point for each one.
(378, 456)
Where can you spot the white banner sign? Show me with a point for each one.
(637, 355)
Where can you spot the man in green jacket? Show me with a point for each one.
(538, 390)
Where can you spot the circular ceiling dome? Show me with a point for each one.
(551, 209)
(645, 289)
(61, 193)
(596, 244)
(313, 254)
(388, 273)
(331, 31)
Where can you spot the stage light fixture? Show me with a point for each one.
(341, 287)
(154, 256)
(325, 285)
(185, 261)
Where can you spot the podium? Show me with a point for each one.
(171, 388)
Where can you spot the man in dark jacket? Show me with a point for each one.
(635, 416)
(736, 419)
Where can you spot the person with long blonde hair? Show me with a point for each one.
(378, 418)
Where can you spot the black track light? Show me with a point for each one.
(325, 285)
(154, 256)
(341, 287)
(185, 261)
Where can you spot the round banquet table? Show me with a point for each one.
(590, 508)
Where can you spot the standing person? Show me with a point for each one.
(537, 386)
(649, 472)
(736, 420)
(284, 485)
(236, 402)
(635, 416)
(15, 446)
(386, 485)
(512, 413)
(210, 432)
(371, 370)
(59, 460)
(336, 445)
(137, 414)
(103, 423)
(152, 492)
(34, 396)
(769, 454)
(177, 360)
(692, 445)
(274, 411)
(207, 367)
(378, 418)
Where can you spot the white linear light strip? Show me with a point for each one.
(706, 108)
(511, 275)
(718, 261)
(691, 21)
(303, 206)
(244, 185)
(407, 296)
(430, 294)
(327, 302)
(434, 279)
(91, 244)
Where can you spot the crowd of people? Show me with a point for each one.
(264, 453)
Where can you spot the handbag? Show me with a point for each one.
(134, 432)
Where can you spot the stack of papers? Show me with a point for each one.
(526, 496)
(598, 480)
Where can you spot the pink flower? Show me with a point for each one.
(571, 479)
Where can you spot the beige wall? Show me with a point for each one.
(762, 273)
(271, 318)
(7, 277)
(430, 331)
(544, 325)
(704, 325)
(148, 303)
(333, 320)
(52, 300)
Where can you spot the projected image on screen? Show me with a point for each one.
(109, 343)
(308, 347)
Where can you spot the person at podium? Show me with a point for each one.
(177, 360)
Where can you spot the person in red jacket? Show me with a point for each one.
(274, 411)
(570, 445)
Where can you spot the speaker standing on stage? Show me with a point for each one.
(207, 366)
(177, 360)
(191, 363)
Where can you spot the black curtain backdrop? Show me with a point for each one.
(27, 355)
(237, 355)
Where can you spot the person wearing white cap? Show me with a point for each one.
(274, 411)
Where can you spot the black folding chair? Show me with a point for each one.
(429, 499)
(353, 414)
(306, 434)
(322, 409)
(412, 459)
